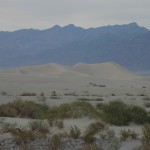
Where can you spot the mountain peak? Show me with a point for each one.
(56, 27)
(70, 26)
(133, 24)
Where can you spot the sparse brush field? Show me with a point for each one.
(94, 137)
(114, 112)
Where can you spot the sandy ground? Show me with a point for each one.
(107, 81)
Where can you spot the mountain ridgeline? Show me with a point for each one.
(127, 45)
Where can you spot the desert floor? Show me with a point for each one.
(99, 83)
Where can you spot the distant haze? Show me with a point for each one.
(41, 14)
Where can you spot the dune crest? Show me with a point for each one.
(108, 70)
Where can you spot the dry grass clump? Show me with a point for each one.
(74, 132)
(55, 142)
(92, 130)
(128, 134)
(23, 137)
(146, 136)
(107, 134)
(41, 128)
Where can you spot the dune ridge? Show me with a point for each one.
(108, 70)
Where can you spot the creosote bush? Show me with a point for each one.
(28, 94)
(119, 113)
(23, 109)
(114, 112)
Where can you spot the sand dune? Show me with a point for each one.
(107, 70)
(46, 69)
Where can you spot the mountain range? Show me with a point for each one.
(127, 45)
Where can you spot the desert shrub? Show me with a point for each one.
(59, 124)
(107, 134)
(40, 127)
(146, 135)
(42, 97)
(55, 142)
(23, 109)
(92, 130)
(147, 104)
(128, 134)
(54, 95)
(119, 113)
(115, 112)
(73, 110)
(22, 136)
(74, 132)
(3, 93)
(83, 99)
(146, 98)
(138, 114)
(28, 94)
(82, 109)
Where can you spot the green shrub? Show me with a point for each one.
(76, 109)
(119, 113)
(138, 115)
(115, 112)
(23, 109)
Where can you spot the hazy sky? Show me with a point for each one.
(41, 14)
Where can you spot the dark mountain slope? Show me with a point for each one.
(128, 45)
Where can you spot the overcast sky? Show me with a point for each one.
(42, 14)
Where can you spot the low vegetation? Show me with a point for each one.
(128, 134)
(114, 112)
(28, 94)
(119, 113)
(23, 109)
